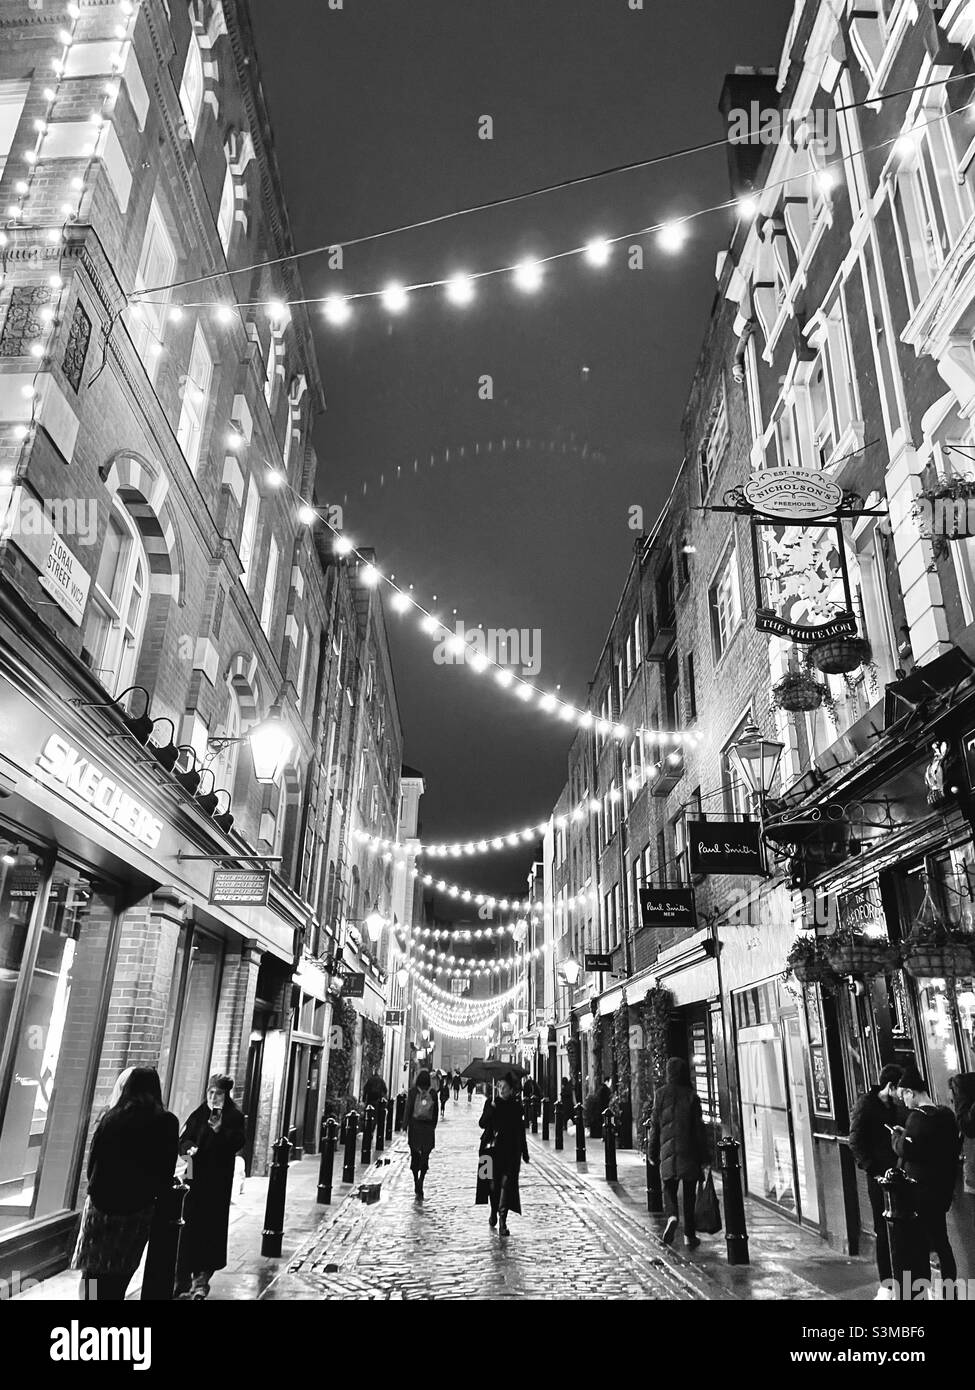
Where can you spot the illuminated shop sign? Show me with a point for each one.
(78, 774)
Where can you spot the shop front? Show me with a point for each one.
(111, 953)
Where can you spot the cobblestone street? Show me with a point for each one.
(566, 1245)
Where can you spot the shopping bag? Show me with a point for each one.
(707, 1212)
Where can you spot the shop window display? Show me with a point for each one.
(55, 935)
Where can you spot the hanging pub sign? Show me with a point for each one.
(862, 910)
(667, 907)
(794, 494)
(799, 555)
(353, 986)
(725, 847)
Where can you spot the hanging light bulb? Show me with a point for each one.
(672, 236)
(394, 297)
(460, 289)
(337, 310)
(528, 275)
(597, 251)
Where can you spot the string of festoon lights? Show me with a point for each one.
(435, 992)
(528, 273)
(472, 965)
(464, 645)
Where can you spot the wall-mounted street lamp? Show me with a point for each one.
(756, 761)
(402, 978)
(571, 970)
(271, 745)
(374, 926)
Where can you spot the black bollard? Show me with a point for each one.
(546, 1118)
(609, 1146)
(368, 1129)
(559, 1127)
(162, 1252)
(400, 1111)
(327, 1165)
(536, 1107)
(736, 1233)
(910, 1263)
(655, 1191)
(296, 1150)
(381, 1108)
(277, 1189)
(351, 1131)
(580, 1135)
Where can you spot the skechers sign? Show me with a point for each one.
(80, 775)
(725, 847)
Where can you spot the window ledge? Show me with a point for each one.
(944, 303)
(849, 442)
(903, 20)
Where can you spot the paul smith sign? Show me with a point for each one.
(793, 494)
(78, 774)
(725, 847)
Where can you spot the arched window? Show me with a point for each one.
(119, 600)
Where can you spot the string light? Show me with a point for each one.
(460, 289)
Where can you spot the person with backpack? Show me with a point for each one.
(928, 1146)
(678, 1143)
(421, 1128)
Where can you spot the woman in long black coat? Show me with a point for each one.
(421, 1128)
(502, 1148)
(130, 1166)
(212, 1137)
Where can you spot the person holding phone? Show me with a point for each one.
(875, 1116)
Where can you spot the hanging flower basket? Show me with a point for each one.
(797, 692)
(937, 507)
(807, 964)
(839, 655)
(946, 960)
(813, 972)
(860, 955)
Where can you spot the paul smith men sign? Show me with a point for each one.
(725, 847)
(667, 907)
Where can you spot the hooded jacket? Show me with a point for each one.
(678, 1139)
(870, 1140)
(963, 1095)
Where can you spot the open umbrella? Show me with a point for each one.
(487, 1069)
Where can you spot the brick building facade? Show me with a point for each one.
(837, 344)
(161, 595)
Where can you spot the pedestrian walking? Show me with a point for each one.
(568, 1101)
(456, 1086)
(502, 1148)
(874, 1116)
(421, 1127)
(374, 1089)
(130, 1166)
(963, 1096)
(211, 1139)
(928, 1145)
(444, 1094)
(470, 1091)
(678, 1144)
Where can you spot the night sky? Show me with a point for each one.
(375, 110)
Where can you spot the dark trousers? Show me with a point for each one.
(934, 1228)
(688, 1188)
(419, 1163)
(876, 1195)
(104, 1288)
